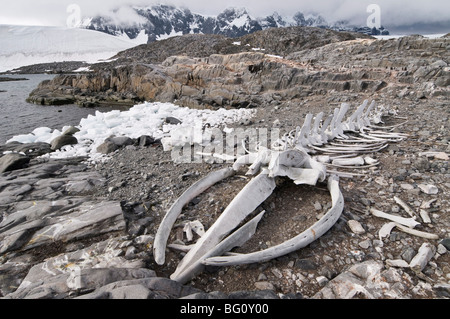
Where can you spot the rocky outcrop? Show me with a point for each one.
(316, 63)
(149, 72)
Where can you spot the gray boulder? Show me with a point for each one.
(13, 161)
(107, 147)
(146, 140)
(121, 141)
(63, 140)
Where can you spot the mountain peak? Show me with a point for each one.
(163, 21)
(234, 12)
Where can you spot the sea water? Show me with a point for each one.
(20, 117)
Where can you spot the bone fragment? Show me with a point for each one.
(425, 217)
(410, 222)
(417, 232)
(194, 226)
(171, 216)
(300, 241)
(245, 160)
(385, 230)
(404, 206)
(370, 161)
(188, 230)
(356, 161)
(248, 199)
(183, 248)
(424, 255)
(427, 204)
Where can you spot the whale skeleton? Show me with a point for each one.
(298, 155)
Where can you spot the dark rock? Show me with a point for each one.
(442, 290)
(63, 140)
(172, 120)
(446, 243)
(305, 264)
(13, 161)
(146, 140)
(121, 141)
(32, 149)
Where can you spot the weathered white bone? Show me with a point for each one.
(223, 157)
(427, 204)
(356, 121)
(162, 235)
(194, 226)
(351, 167)
(323, 131)
(404, 206)
(299, 241)
(315, 136)
(302, 137)
(248, 199)
(425, 217)
(369, 160)
(356, 161)
(263, 157)
(337, 128)
(179, 247)
(245, 160)
(417, 233)
(385, 230)
(236, 239)
(424, 255)
(410, 222)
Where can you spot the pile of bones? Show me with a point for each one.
(340, 143)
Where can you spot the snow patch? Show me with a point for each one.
(142, 119)
(27, 45)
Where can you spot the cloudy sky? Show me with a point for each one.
(393, 12)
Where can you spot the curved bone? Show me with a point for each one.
(236, 239)
(300, 241)
(162, 235)
(405, 206)
(248, 199)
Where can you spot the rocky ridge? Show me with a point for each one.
(243, 74)
(70, 230)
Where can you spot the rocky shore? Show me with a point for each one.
(70, 229)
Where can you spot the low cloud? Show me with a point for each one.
(393, 13)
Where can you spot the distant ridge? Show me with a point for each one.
(162, 21)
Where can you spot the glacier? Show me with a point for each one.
(27, 45)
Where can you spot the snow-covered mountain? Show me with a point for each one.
(163, 21)
(27, 45)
